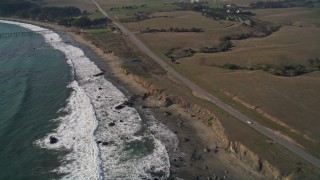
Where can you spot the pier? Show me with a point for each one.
(25, 33)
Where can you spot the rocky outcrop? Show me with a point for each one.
(53, 140)
(241, 152)
(253, 161)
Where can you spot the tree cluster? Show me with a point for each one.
(130, 7)
(152, 30)
(282, 4)
(239, 36)
(282, 70)
(52, 13)
(27, 9)
(315, 63)
(175, 53)
(259, 31)
(216, 13)
(278, 70)
(84, 22)
(8, 8)
(196, 6)
(223, 46)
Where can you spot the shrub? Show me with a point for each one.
(231, 66)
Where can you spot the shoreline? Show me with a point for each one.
(92, 130)
(202, 145)
(201, 166)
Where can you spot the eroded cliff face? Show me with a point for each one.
(253, 161)
(245, 156)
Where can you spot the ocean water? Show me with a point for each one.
(49, 88)
(33, 81)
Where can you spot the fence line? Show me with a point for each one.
(25, 33)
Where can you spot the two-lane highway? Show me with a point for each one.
(265, 131)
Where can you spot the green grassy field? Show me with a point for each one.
(96, 15)
(81, 4)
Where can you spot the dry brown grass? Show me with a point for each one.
(187, 19)
(235, 130)
(291, 16)
(290, 45)
(292, 101)
(184, 19)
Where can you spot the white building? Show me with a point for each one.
(192, 1)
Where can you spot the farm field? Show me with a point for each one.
(305, 17)
(286, 104)
(123, 9)
(81, 4)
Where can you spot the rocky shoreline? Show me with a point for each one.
(202, 153)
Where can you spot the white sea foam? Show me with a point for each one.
(91, 109)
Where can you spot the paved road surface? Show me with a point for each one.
(250, 122)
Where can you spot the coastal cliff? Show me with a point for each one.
(243, 154)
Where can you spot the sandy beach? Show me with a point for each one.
(199, 154)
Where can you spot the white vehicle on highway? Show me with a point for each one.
(249, 122)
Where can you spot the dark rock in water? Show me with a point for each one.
(53, 140)
(167, 113)
(99, 74)
(196, 178)
(136, 61)
(121, 120)
(180, 158)
(98, 142)
(100, 88)
(168, 102)
(105, 143)
(112, 124)
(119, 106)
(127, 103)
(133, 98)
(145, 95)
